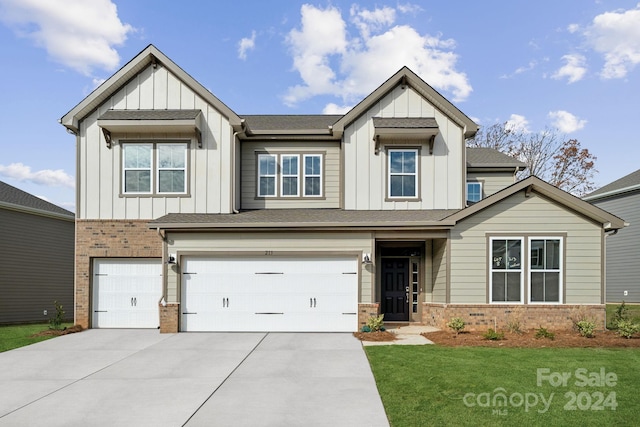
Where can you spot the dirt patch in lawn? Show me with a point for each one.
(58, 332)
(563, 338)
(375, 336)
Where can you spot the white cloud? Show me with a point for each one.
(332, 62)
(616, 35)
(80, 34)
(566, 122)
(48, 177)
(517, 123)
(409, 8)
(573, 28)
(246, 44)
(332, 108)
(574, 68)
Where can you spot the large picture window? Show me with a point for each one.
(403, 175)
(150, 168)
(506, 270)
(545, 270)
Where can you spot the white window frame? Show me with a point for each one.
(521, 270)
(478, 183)
(414, 174)
(266, 175)
(560, 270)
(306, 175)
(125, 169)
(158, 168)
(284, 175)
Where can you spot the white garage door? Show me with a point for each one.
(269, 294)
(126, 293)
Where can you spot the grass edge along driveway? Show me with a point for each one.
(476, 386)
(15, 336)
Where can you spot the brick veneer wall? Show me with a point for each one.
(104, 239)
(365, 311)
(480, 317)
(169, 318)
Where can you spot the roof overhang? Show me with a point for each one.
(146, 121)
(617, 192)
(39, 212)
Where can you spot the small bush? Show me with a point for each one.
(55, 322)
(514, 320)
(365, 328)
(457, 324)
(586, 328)
(493, 335)
(620, 314)
(627, 328)
(376, 323)
(544, 333)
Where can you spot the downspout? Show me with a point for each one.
(243, 130)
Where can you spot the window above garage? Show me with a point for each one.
(148, 121)
(403, 130)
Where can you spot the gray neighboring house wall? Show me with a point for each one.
(622, 198)
(37, 248)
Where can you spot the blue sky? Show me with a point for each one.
(573, 65)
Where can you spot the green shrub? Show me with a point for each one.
(627, 328)
(55, 322)
(376, 323)
(544, 333)
(457, 324)
(493, 335)
(620, 314)
(586, 328)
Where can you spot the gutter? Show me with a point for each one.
(39, 212)
(611, 193)
(243, 130)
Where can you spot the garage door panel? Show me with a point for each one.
(270, 294)
(126, 293)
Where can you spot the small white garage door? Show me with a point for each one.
(269, 294)
(126, 293)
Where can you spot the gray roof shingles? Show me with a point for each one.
(14, 196)
(487, 157)
(405, 122)
(631, 180)
(310, 217)
(150, 115)
(290, 122)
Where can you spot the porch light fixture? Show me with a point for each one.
(366, 259)
(171, 259)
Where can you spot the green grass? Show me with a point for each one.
(15, 336)
(633, 311)
(425, 385)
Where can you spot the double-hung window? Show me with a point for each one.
(474, 191)
(506, 270)
(403, 173)
(290, 172)
(545, 270)
(312, 175)
(267, 173)
(150, 168)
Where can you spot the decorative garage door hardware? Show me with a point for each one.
(350, 272)
(134, 301)
(268, 272)
(312, 302)
(185, 312)
(225, 302)
(269, 313)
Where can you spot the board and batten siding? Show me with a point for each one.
(229, 243)
(99, 169)
(518, 215)
(623, 252)
(492, 182)
(330, 177)
(440, 173)
(36, 268)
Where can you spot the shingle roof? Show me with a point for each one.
(626, 183)
(489, 157)
(150, 115)
(305, 217)
(290, 122)
(405, 122)
(14, 196)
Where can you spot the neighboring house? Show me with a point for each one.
(37, 257)
(195, 218)
(622, 198)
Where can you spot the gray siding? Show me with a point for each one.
(36, 268)
(439, 274)
(623, 250)
(492, 182)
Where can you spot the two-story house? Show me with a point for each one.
(195, 218)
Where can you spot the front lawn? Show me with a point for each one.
(431, 385)
(15, 336)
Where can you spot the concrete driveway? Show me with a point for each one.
(143, 378)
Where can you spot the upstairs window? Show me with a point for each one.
(154, 168)
(312, 175)
(474, 191)
(289, 175)
(267, 169)
(403, 175)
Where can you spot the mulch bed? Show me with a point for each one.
(375, 336)
(563, 338)
(58, 332)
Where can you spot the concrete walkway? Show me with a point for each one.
(406, 335)
(143, 378)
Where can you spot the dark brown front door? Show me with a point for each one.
(395, 283)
